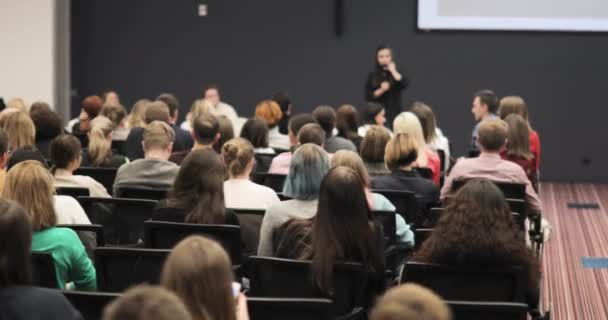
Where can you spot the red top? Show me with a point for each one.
(434, 163)
(535, 147)
(529, 165)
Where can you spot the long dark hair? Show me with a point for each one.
(256, 131)
(15, 245)
(378, 67)
(347, 122)
(199, 188)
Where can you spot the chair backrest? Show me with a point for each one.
(119, 268)
(519, 219)
(283, 197)
(470, 310)
(274, 277)
(90, 304)
(420, 235)
(165, 235)
(425, 172)
(117, 146)
(511, 190)
(250, 221)
(263, 161)
(97, 229)
(288, 308)
(389, 226)
(43, 270)
(405, 204)
(105, 176)
(141, 193)
(271, 180)
(122, 219)
(74, 192)
(475, 283)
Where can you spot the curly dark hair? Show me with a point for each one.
(477, 229)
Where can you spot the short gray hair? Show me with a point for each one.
(308, 166)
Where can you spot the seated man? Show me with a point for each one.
(206, 132)
(155, 171)
(326, 117)
(183, 139)
(485, 105)
(280, 163)
(489, 165)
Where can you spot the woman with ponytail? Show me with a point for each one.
(99, 152)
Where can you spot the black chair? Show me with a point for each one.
(288, 308)
(271, 180)
(165, 235)
(420, 235)
(83, 138)
(105, 176)
(470, 310)
(389, 226)
(122, 219)
(255, 212)
(474, 283)
(117, 146)
(263, 161)
(425, 172)
(93, 228)
(510, 190)
(283, 197)
(90, 304)
(279, 150)
(119, 268)
(141, 193)
(74, 192)
(405, 204)
(43, 270)
(250, 221)
(274, 277)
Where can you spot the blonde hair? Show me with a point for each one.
(199, 107)
(198, 270)
(374, 143)
(492, 134)
(410, 302)
(237, 154)
(145, 302)
(350, 159)
(31, 185)
(20, 129)
(17, 103)
(100, 146)
(407, 122)
(158, 134)
(401, 150)
(137, 115)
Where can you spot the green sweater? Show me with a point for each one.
(71, 261)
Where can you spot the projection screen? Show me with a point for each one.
(523, 15)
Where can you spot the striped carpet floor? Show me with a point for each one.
(576, 293)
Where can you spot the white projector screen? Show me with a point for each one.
(532, 15)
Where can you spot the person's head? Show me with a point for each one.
(138, 114)
(513, 105)
(116, 113)
(65, 152)
(17, 104)
(25, 153)
(518, 138)
(157, 111)
(347, 121)
(373, 113)
(100, 140)
(492, 135)
(284, 100)
(4, 155)
(308, 166)
(256, 131)
(172, 103)
(374, 144)
(211, 93)
(47, 122)
(296, 123)
(111, 97)
(158, 140)
(270, 112)
(238, 156)
(31, 185)
(199, 187)
(91, 106)
(205, 129)
(199, 271)
(350, 159)
(311, 133)
(384, 56)
(15, 245)
(200, 107)
(326, 118)
(401, 151)
(20, 129)
(407, 122)
(410, 302)
(485, 102)
(145, 302)
(427, 120)
(226, 132)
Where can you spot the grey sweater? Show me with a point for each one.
(146, 173)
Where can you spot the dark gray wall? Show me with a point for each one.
(251, 48)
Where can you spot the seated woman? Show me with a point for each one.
(271, 113)
(347, 124)
(518, 146)
(515, 104)
(48, 126)
(65, 154)
(199, 271)
(117, 114)
(197, 195)
(433, 136)
(31, 185)
(477, 229)
(239, 191)
(256, 131)
(18, 298)
(20, 129)
(407, 122)
(99, 153)
(341, 230)
(400, 156)
(372, 150)
(306, 170)
(375, 201)
(373, 114)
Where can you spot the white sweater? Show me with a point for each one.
(244, 194)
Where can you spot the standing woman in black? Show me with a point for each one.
(385, 83)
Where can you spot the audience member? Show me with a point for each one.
(23, 154)
(270, 112)
(145, 302)
(410, 302)
(4, 156)
(515, 104)
(111, 97)
(347, 123)
(489, 165)
(65, 154)
(376, 201)
(31, 185)
(373, 114)
(197, 195)
(199, 107)
(155, 171)
(183, 139)
(20, 130)
(306, 170)
(477, 229)
(433, 136)
(326, 118)
(18, 298)
(99, 153)
(372, 150)
(283, 99)
(91, 106)
(17, 104)
(118, 115)
(155, 111)
(47, 126)
(485, 105)
(137, 116)
(280, 163)
(239, 191)
(206, 133)
(226, 132)
(255, 130)
(218, 107)
(518, 146)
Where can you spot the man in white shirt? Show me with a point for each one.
(212, 95)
